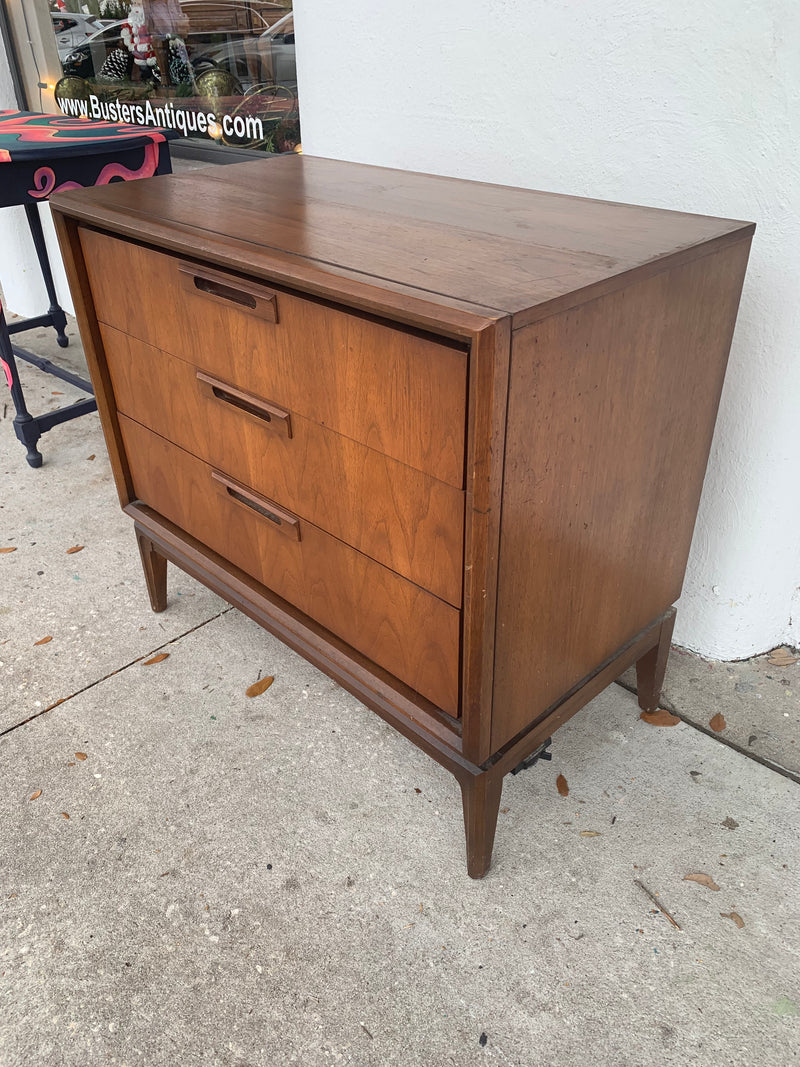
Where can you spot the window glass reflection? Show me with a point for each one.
(214, 71)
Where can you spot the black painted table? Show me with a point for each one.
(40, 155)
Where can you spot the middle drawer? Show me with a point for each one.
(404, 519)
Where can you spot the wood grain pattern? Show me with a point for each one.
(400, 626)
(611, 413)
(397, 392)
(480, 799)
(488, 245)
(432, 729)
(402, 518)
(650, 669)
(562, 430)
(570, 703)
(488, 395)
(154, 566)
(250, 296)
(80, 287)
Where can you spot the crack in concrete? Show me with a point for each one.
(769, 764)
(666, 704)
(124, 667)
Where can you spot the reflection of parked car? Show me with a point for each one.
(88, 57)
(72, 29)
(279, 41)
(267, 59)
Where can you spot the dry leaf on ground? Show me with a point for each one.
(35, 795)
(781, 657)
(591, 833)
(257, 688)
(43, 641)
(12, 548)
(702, 879)
(561, 786)
(74, 549)
(659, 717)
(734, 916)
(717, 723)
(80, 755)
(156, 659)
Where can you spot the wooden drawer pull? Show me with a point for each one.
(248, 296)
(276, 417)
(283, 521)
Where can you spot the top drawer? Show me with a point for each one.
(399, 392)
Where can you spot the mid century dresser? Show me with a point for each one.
(446, 439)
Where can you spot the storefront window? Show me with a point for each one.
(220, 72)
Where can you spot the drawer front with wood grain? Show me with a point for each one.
(410, 522)
(397, 391)
(399, 626)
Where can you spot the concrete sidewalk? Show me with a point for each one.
(281, 880)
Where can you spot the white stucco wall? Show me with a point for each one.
(20, 275)
(690, 104)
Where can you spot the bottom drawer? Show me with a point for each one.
(401, 627)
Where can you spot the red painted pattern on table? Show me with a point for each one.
(23, 128)
(44, 179)
(6, 367)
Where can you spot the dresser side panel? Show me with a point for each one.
(611, 412)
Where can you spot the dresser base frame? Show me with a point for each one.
(481, 785)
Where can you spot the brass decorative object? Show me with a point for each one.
(71, 87)
(216, 83)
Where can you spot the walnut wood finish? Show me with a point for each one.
(445, 439)
(488, 396)
(400, 517)
(480, 798)
(650, 669)
(154, 566)
(467, 245)
(276, 418)
(216, 285)
(397, 392)
(605, 457)
(398, 625)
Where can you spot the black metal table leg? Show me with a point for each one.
(56, 312)
(29, 428)
(55, 316)
(25, 425)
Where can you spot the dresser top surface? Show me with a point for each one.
(499, 249)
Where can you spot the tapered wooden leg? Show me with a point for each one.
(154, 566)
(480, 795)
(650, 669)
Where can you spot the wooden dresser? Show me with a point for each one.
(445, 439)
